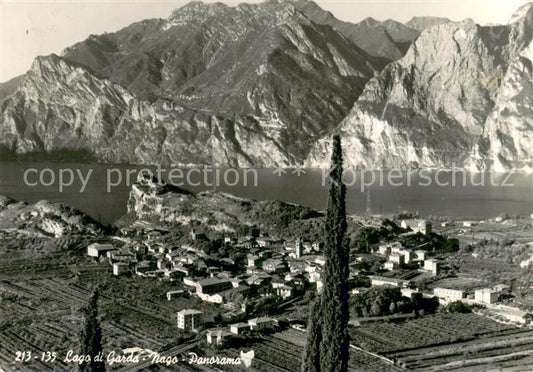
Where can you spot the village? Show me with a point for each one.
(421, 290)
(282, 271)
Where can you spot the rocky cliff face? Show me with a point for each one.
(459, 96)
(507, 141)
(252, 85)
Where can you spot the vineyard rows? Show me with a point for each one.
(429, 330)
(479, 348)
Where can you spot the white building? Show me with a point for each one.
(298, 248)
(431, 266)
(408, 255)
(253, 261)
(120, 268)
(263, 242)
(378, 281)
(390, 266)
(284, 291)
(486, 296)
(383, 249)
(258, 324)
(161, 264)
(396, 258)
(189, 319)
(502, 288)
(98, 250)
(218, 336)
(319, 286)
(239, 328)
(396, 249)
(211, 298)
(191, 282)
(420, 255)
(509, 314)
(449, 295)
(175, 294)
(408, 292)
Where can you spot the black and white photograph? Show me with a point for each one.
(266, 185)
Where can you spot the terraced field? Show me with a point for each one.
(448, 342)
(514, 348)
(40, 311)
(435, 329)
(282, 352)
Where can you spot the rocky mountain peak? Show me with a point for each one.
(524, 13)
(421, 23)
(521, 25)
(197, 11)
(369, 21)
(43, 64)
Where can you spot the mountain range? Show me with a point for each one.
(268, 84)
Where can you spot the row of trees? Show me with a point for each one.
(389, 301)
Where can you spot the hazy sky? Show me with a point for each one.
(40, 27)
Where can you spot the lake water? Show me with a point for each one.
(444, 193)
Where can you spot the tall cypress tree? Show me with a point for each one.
(327, 345)
(91, 337)
(311, 356)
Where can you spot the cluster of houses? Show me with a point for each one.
(268, 272)
(488, 297)
(271, 267)
(191, 320)
(120, 259)
(397, 256)
(446, 295)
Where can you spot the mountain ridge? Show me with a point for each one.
(256, 92)
(266, 85)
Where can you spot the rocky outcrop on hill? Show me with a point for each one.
(156, 203)
(44, 219)
(459, 97)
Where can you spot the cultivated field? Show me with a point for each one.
(41, 302)
(447, 341)
(282, 352)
